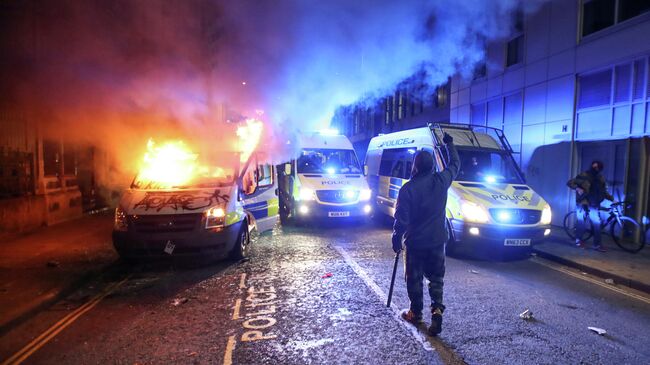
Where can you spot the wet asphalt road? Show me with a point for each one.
(315, 295)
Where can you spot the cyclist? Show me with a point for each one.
(591, 190)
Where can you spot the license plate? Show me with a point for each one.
(169, 247)
(517, 242)
(339, 214)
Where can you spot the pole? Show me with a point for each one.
(392, 280)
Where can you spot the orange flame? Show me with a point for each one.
(249, 135)
(172, 164)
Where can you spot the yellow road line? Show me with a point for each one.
(611, 287)
(59, 326)
(236, 309)
(242, 281)
(230, 347)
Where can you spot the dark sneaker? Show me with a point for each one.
(436, 322)
(600, 248)
(412, 317)
(580, 244)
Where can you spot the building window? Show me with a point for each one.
(480, 70)
(515, 51)
(388, 102)
(600, 14)
(623, 76)
(639, 79)
(630, 8)
(401, 108)
(394, 114)
(440, 97)
(595, 89)
(515, 47)
(51, 158)
(69, 160)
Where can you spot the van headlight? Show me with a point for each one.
(306, 194)
(120, 224)
(215, 217)
(546, 215)
(474, 212)
(365, 194)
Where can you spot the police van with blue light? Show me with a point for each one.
(489, 202)
(325, 180)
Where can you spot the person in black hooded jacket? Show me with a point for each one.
(420, 220)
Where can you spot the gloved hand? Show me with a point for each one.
(397, 243)
(447, 138)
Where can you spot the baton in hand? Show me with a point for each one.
(392, 280)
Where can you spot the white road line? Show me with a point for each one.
(242, 281)
(589, 279)
(236, 309)
(383, 298)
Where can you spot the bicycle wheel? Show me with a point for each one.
(570, 226)
(628, 234)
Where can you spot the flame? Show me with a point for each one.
(249, 135)
(171, 164)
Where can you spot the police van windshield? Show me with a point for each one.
(326, 161)
(487, 166)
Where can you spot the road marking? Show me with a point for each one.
(59, 326)
(230, 347)
(235, 313)
(384, 298)
(242, 281)
(611, 287)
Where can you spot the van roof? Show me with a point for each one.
(402, 139)
(323, 141)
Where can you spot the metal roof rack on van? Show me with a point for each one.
(470, 128)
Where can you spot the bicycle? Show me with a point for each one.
(625, 231)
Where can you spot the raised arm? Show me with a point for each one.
(451, 171)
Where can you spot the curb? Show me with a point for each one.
(634, 284)
(62, 293)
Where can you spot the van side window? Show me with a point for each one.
(264, 175)
(396, 163)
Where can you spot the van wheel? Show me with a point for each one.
(242, 245)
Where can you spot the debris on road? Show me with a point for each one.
(473, 271)
(327, 275)
(178, 301)
(53, 263)
(599, 331)
(192, 354)
(609, 281)
(526, 315)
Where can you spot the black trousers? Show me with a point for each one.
(425, 263)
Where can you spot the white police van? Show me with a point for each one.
(489, 202)
(324, 181)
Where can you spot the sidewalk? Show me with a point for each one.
(632, 270)
(39, 268)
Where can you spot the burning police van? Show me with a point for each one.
(325, 180)
(489, 202)
(182, 203)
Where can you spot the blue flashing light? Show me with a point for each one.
(504, 216)
(490, 179)
(330, 170)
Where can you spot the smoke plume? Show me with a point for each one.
(115, 73)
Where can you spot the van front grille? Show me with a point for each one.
(165, 222)
(337, 196)
(516, 216)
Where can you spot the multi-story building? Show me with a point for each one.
(412, 105)
(571, 85)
